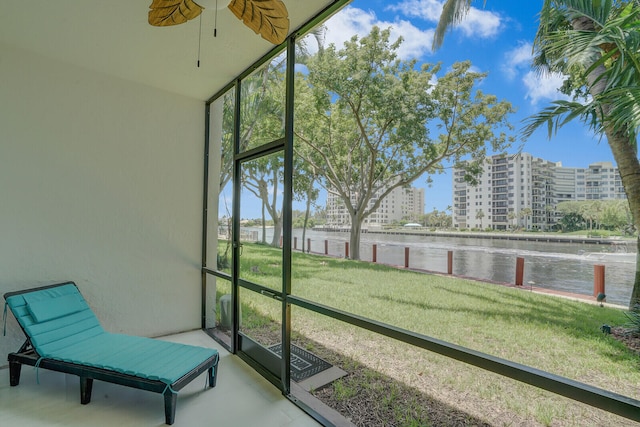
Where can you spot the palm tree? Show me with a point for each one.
(525, 214)
(480, 215)
(512, 215)
(595, 43)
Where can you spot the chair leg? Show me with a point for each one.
(14, 373)
(170, 400)
(213, 376)
(213, 373)
(86, 384)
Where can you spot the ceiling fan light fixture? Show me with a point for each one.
(164, 13)
(269, 18)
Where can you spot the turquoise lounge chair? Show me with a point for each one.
(64, 335)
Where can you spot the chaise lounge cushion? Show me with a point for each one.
(62, 326)
(138, 356)
(43, 310)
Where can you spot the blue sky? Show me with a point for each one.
(497, 39)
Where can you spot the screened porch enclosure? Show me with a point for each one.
(270, 302)
(101, 163)
(130, 170)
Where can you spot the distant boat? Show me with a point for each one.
(413, 224)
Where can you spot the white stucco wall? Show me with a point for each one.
(101, 184)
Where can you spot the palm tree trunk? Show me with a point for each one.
(625, 155)
(624, 152)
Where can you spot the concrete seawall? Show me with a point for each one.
(531, 237)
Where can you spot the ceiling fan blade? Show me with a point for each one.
(269, 18)
(163, 13)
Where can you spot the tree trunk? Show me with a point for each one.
(635, 293)
(354, 238)
(304, 224)
(277, 231)
(264, 226)
(623, 149)
(626, 157)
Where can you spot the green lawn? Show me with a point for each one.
(549, 333)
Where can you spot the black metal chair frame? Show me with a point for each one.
(27, 355)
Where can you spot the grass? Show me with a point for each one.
(548, 333)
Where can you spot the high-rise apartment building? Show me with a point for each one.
(524, 190)
(401, 204)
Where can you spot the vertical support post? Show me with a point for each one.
(449, 262)
(287, 217)
(295, 243)
(280, 241)
(235, 221)
(375, 252)
(519, 271)
(406, 257)
(326, 247)
(308, 245)
(346, 249)
(598, 280)
(205, 214)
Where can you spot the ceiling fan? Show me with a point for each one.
(269, 18)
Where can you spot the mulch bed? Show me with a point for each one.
(630, 339)
(368, 404)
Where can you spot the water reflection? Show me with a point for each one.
(559, 266)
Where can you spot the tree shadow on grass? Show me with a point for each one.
(365, 396)
(369, 398)
(564, 317)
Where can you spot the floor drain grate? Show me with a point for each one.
(303, 363)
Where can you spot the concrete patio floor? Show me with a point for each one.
(241, 398)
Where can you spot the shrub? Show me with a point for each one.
(633, 325)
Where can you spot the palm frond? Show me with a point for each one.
(597, 11)
(560, 113)
(597, 42)
(453, 11)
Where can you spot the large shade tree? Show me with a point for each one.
(596, 44)
(367, 119)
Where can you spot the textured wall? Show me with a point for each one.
(100, 183)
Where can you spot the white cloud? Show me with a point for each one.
(429, 10)
(477, 23)
(538, 87)
(481, 23)
(543, 87)
(353, 21)
(516, 60)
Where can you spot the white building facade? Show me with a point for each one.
(401, 204)
(522, 190)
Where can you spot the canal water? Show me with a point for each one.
(560, 266)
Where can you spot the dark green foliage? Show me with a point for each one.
(633, 325)
(572, 222)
